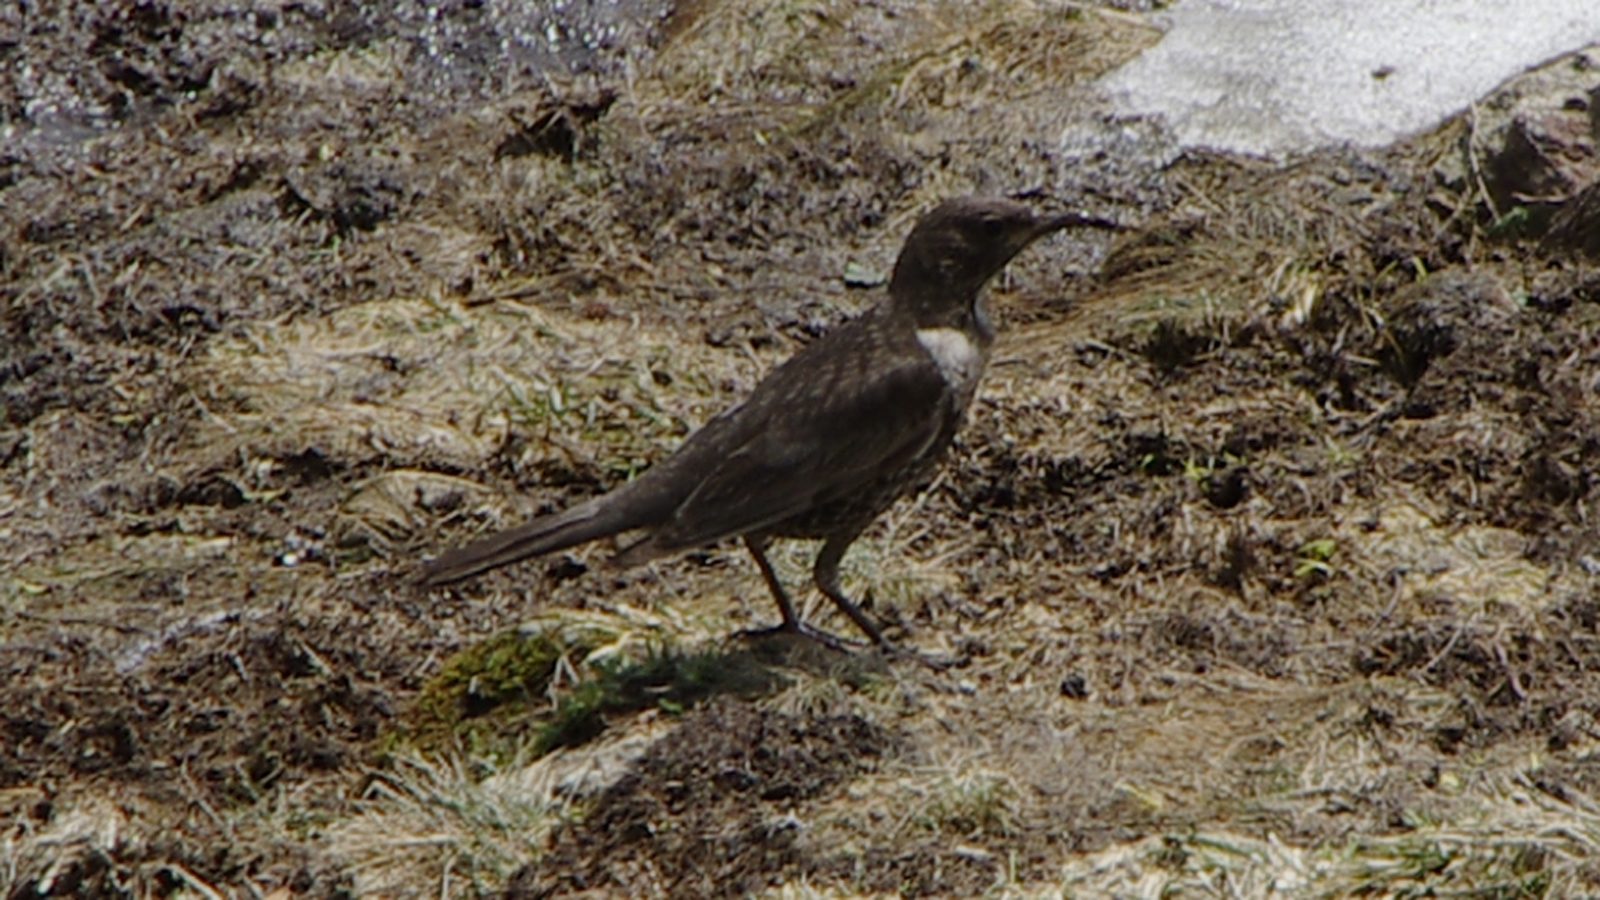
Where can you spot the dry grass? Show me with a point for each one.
(422, 825)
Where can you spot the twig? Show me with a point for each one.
(193, 881)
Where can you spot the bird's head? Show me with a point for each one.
(955, 249)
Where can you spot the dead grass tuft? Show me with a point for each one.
(460, 829)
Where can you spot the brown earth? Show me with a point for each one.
(1267, 552)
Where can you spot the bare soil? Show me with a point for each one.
(1270, 530)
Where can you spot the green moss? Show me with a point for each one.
(665, 680)
(492, 698)
(478, 688)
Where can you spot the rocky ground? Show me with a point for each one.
(1266, 554)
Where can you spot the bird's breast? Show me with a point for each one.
(960, 358)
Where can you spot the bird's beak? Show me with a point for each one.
(1075, 220)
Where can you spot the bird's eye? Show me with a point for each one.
(992, 227)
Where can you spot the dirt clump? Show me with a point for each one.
(715, 806)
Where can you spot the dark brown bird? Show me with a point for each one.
(828, 440)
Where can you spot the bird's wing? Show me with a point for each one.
(814, 435)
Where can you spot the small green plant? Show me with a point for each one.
(1198, 470)
(1314, 556)
(1516, 222)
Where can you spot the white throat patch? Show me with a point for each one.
(959, 359)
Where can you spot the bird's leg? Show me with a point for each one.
(758, 548)
(791, 619)
(826, 573)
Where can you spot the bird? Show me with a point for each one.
(829, 439)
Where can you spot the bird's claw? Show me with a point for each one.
(846, 645)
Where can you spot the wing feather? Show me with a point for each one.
(814, 433)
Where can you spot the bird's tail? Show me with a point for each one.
(585, 522)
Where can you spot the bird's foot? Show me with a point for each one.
(801, 630)
(839, 644)
(935, 662)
